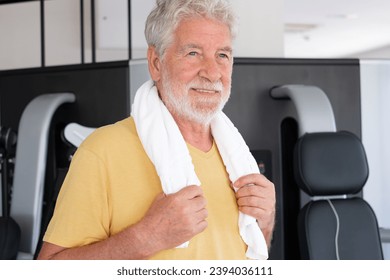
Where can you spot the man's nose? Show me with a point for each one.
(210, 70)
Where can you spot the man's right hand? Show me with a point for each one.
(170, 221)
(175, 218)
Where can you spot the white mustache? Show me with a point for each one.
(217, 86)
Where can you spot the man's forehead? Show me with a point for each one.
(201, 24)
(198, 32)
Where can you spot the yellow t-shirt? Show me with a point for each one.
(111, 183)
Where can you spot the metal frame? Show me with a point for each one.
(30, 167)
(314, 110)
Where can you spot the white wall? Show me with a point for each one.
(261, 28)
(19, 35)
(375, 100)
(261, 31)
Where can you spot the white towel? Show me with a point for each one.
(166, 148)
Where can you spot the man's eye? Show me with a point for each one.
(192, 53)
(223, 55)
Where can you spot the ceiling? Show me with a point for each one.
(313, 28)
(335, 28)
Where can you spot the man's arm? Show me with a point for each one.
(170, 221)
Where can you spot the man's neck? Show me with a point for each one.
(197, 135)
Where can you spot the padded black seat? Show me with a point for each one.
(9, 238)
(337, 223)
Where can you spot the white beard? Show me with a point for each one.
(199, 109)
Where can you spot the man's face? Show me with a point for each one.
(196, 70)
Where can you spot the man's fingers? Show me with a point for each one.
(251, 179)
(190, 192)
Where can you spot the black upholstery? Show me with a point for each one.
(328, 164)
(9, 238)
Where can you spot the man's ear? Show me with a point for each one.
(154, 63)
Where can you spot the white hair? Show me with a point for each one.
(165, 17)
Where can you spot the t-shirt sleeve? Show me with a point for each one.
(82, 211)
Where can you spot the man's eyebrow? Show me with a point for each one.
(226, 49)
(195, 46)
(189, 46)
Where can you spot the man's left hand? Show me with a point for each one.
(256, 197)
